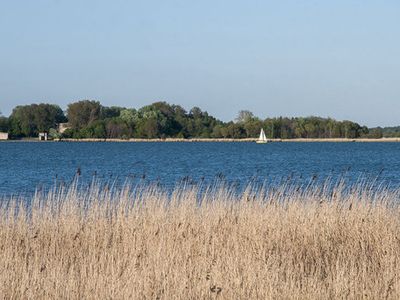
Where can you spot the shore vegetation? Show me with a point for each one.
(89, 119)
(145, 243)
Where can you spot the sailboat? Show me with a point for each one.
(262, 139)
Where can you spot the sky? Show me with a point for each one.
(337, 59)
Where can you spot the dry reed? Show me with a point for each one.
(147, 244)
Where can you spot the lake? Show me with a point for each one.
(25, 166)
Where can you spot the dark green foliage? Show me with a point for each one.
(89, 119)
(4, 124)
(110, 112)
(82, 113)
(311, 127)
(387, 131)
(29, 120)
(375, 133)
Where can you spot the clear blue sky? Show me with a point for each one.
(294, 58)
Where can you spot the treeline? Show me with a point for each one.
(387, 131)
(90, 119)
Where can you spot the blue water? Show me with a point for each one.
(25, 166)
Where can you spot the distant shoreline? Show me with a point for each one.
(227, 140)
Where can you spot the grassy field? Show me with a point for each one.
(145, 244)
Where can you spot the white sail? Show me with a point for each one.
(262, 137)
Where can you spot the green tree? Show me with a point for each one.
(244, 116)
(83, 113)
(117, 128)
(90, 119)
(148, 128)
(252, 127)
(235, 130)
(111, 112)
(29, 120)
(128, 115)
(351, 129)
(4, 123)
(53, 133)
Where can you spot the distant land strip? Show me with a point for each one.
(226, 140)
(161, 121)
(235, 140)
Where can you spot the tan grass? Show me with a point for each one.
(144, 244)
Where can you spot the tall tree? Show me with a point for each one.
(4, 124)
(244, 116)
(83, 113)
(29, 120)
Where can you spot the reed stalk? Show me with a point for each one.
(145, 243)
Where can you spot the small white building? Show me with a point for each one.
(3, 136)
(43, 136)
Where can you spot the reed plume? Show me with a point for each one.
(146, 243)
